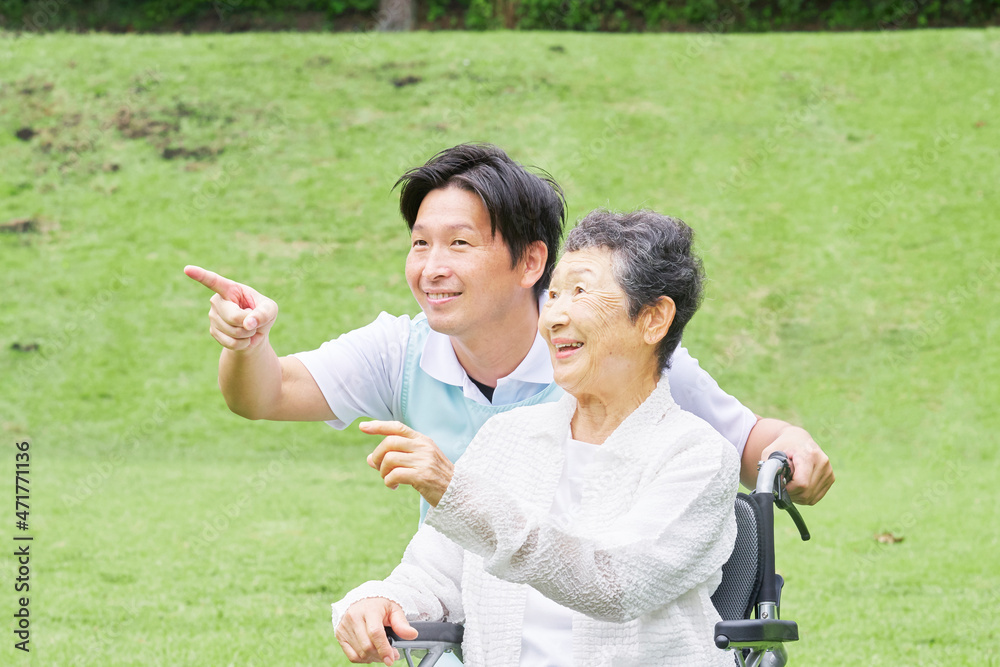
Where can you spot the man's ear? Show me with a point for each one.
(533, 263)
(657, 319)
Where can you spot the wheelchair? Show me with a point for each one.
(748, 599)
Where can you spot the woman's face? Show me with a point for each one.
(595, 348)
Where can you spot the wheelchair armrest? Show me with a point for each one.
(431, 631)
(433, 637)
(755, 633)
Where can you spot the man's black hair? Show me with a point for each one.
(524, 207)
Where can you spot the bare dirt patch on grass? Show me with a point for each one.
(72, 134)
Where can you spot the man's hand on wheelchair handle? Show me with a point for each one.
(361, 631)
(812, 473)
(407, 457)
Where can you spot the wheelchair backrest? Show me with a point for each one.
(743, 573)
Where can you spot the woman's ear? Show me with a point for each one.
(657, 319)
(534, 263)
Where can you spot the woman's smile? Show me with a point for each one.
(565, 347)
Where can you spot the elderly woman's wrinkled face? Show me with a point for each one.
(595, 348)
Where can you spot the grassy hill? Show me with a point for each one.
(844, 192)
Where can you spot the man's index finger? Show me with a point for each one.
(213, 281)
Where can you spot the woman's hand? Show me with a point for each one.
(408, 457)
(361, 632)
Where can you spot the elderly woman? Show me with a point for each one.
(589, 531)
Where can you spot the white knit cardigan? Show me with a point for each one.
(637, 563)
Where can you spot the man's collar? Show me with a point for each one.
(536, 366)
(440, 362)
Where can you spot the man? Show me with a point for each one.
(484, 233)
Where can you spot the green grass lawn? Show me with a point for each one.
(844, 192)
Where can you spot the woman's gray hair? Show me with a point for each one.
(651, 257)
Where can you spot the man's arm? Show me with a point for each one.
(257, 384)
(813, 474)
(254, 381)
(696, 391)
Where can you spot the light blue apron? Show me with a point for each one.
(441, 411)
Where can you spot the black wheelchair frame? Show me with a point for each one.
(748, 599)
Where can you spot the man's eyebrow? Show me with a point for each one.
(452, 227)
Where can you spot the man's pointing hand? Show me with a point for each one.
(240, 316)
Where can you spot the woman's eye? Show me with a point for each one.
(460, 242)
(419, 242)
(579, 290)
(553, 294)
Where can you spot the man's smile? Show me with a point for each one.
(441, 297)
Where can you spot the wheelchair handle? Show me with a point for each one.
(436, 638)
(759, 642)
(774, 473)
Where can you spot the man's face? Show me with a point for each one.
(460, 273)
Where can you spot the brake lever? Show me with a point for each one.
(781, 498)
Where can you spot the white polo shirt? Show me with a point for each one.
(532, 375)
